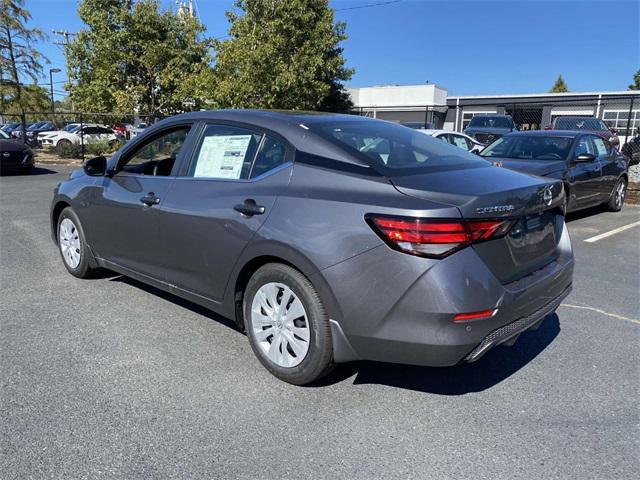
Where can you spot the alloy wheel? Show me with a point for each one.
(69, 241)
(620, 193)
(280, 324)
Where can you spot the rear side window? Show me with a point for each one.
(225, 152)
(271, 155)
(602, 146)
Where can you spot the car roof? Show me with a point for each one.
(548, 133)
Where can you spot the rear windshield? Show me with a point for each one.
(490, 122)
(591, 124)
(395, 150)
(523, 147)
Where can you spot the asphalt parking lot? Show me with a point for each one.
(109, 378)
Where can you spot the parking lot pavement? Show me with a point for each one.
(109, 378)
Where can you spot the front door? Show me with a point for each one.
(125, 220)
(223, 198)
(584, 177)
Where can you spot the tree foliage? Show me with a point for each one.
(19, 59)
(284, 55)
(132, 56)
(560, 86)
(636, 81)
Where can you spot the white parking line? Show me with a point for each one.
(612, 232)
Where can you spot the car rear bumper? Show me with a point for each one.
(404, 312)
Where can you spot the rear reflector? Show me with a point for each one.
(465, 317)
(434, 238)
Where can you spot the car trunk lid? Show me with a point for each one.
(490, 193)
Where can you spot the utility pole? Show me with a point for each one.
(65, 37)
(51, 72)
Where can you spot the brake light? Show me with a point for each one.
(435, 238)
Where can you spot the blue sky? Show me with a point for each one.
(469, 47)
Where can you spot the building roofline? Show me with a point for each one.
(536, 95)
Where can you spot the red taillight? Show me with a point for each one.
(434, 238)
(465, 317)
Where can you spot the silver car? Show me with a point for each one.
(327, 238)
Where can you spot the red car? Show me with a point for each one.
(585, 124)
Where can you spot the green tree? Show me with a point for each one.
(282, 55)
(19, 58)
(636, 81)
(32, 99)
(560, 86)
(136, 57)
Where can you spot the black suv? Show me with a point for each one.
(487, 128)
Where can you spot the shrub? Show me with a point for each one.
(102, 147)
(68, 150)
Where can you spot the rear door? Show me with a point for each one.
(584, 178)
(218, 202)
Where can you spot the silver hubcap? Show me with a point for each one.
(620, 191)
(280, 326)
(69, 243)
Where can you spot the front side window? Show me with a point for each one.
(532, 147)
(459, 141)
(158, 155)
(394, 150)
(584, 147)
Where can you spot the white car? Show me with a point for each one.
(90, 132)
(455, 138)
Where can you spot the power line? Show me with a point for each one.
(379, 4)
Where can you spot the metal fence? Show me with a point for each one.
(88, 130)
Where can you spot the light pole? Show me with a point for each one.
(51, 72)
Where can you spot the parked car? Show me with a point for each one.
(593, 172)
(35, 130)
(487, 128)
(586, 124)
(134, 131)
(90, 133)
(632, 149)
(322, 249)
(14, 155)
(17, 132)
(458, 139)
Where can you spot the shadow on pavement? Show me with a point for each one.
(177, 300)
(494, 367)
(587, 212)
(34, 171)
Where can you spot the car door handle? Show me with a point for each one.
(150, 199)
(249, 208)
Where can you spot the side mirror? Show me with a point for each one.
(96, 166)
(585, 158)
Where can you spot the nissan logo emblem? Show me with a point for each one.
(6, 154)
(547, 196)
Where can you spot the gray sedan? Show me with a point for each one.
(327, 238)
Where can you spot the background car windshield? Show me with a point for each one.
(490, 122)
(592, 124)
(529, 148)
(3, 134)
(396, 150)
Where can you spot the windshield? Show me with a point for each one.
(395, 150)
(36, 125)
(72, 127)
(490, 122)
(591, 124)
(3, 134)
(529, 148)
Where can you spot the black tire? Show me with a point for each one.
(83, 269)
(318, 360)
(63, 143)
(616, 201)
